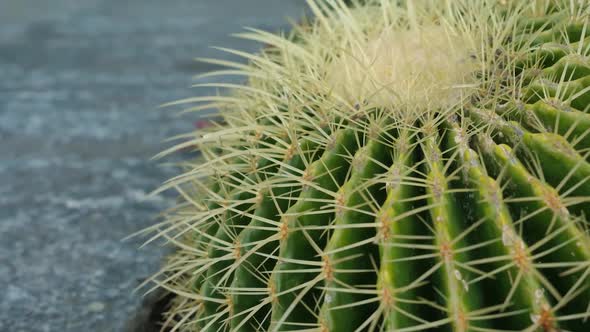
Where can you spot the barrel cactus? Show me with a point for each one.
(392, 166)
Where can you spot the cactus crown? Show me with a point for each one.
(400, 61)
(393, 166)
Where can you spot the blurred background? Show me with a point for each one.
(80, 82)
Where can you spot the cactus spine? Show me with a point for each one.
(393, 166)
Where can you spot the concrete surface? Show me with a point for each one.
(80, 82)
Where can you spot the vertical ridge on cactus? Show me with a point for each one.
(392, 166)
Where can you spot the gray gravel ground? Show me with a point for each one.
(79, 86)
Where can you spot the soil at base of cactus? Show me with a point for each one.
(152, 313)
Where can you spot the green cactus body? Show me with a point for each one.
(394, 166)
(257, 241)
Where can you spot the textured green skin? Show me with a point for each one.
(557, 158)
(574, 91)
(535, 227)
(246, 274)
(488, 203)
(231, 225)
(448, 225)
(481, 220)
(350, 271)
(225, 229)
(296, 245)
(396, 271)
(554, 118)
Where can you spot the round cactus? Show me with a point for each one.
(393, 166)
